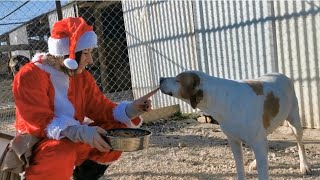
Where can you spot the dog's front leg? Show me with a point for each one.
(260, 150)
(236, 148)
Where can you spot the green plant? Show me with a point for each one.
(180, 116)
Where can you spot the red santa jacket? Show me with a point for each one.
(48, 101)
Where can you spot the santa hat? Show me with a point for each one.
(69, 36)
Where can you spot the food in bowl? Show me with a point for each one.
(128, 139)
(127, 133)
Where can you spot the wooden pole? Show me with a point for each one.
(101, 49)
(59, 11)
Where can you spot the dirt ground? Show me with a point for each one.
(186, 149)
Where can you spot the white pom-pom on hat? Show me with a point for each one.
(70, 63)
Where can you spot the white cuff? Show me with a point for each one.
(120, 115)
(59, 124)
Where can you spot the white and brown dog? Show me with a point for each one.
(246, 110)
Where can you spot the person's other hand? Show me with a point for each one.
(87, 134)
(99, 142)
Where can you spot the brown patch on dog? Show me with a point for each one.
(270, 109)
(196, 98)
(256, 87)
(189, 82)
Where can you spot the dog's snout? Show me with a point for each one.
(161, 79)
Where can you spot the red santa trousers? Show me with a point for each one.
(55, 159)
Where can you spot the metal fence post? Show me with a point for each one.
(59, 12)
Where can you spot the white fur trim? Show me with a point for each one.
(70, 63)
(120, 115)
(37, 56)
(59, 124)
(60, 47)
(63, 108)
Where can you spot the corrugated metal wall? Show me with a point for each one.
(234, 38)
(298, 47)
(229, 39)
(161, 42)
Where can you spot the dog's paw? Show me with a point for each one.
(253, 166)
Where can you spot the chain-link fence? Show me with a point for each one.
(14, 31)
(140, 41)
(25, 28)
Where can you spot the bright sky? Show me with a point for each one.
(25, 13)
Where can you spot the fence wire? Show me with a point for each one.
(25, 30)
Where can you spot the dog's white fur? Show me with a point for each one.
(246, 110)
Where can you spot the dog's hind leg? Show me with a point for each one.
(296, 127)
(236, 148)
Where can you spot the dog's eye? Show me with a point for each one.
(177, 80)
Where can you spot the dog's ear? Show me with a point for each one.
(196, 95)
(189, 82)
(196, 98)
(190, 88)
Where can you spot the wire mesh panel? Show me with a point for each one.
(25, 30)
(111, 67)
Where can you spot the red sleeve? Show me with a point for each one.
(34, 108)
(101, 109)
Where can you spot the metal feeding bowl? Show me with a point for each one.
(128, 139)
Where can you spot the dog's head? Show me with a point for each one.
(185, 86)
(15, 63)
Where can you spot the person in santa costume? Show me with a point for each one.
(54, 93)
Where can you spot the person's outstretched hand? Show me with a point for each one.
(144, 103)
(140, 105)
